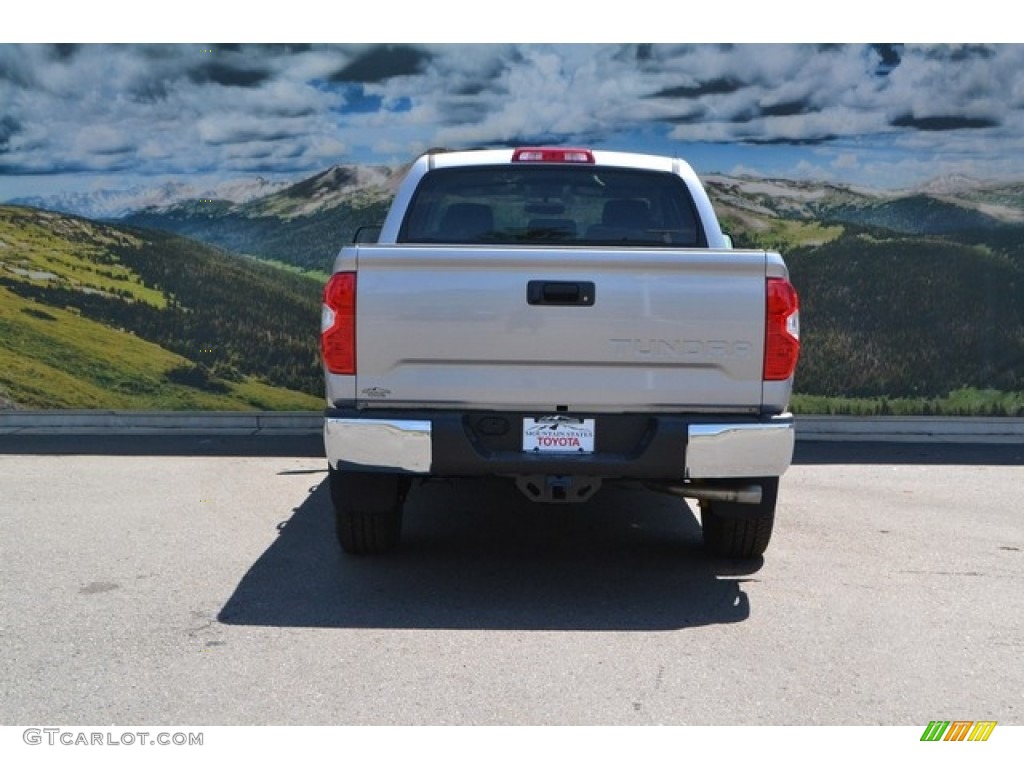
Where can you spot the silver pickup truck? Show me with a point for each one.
(562, 318)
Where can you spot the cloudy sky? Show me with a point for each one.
(92, 116)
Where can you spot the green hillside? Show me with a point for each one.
(308, 242)
(96, 316)
(915, 214)
(909, 304)
(885, 317)
(908, 317)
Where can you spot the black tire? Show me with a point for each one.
(740, 531)
(368, 510)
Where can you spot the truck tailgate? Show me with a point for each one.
(590, 329)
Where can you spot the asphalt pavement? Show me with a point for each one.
(196, 580)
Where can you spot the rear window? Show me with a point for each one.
(566, 205)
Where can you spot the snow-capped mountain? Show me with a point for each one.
(952, 184)
(117, 203)
(339, 184)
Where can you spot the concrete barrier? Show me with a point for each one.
(160, 422)
(909, 429)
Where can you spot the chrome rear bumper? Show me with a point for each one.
(708, 450)
(764, 449)
(386, 444)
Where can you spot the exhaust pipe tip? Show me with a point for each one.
(739, 494)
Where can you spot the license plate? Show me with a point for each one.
(558, 434)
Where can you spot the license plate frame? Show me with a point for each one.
(559, 434)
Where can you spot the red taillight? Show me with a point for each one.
(782, 330)
(338, 324)
(552, 155)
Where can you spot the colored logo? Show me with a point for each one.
(958, 730)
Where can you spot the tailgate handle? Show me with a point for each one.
(562, 293)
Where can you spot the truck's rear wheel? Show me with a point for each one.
(740, 530)
(368, 510)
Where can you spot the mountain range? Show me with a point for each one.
(117, 203)
(347, 184)
(911, 293)
(304, 223)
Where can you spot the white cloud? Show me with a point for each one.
(845, 161)
(182, 109)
